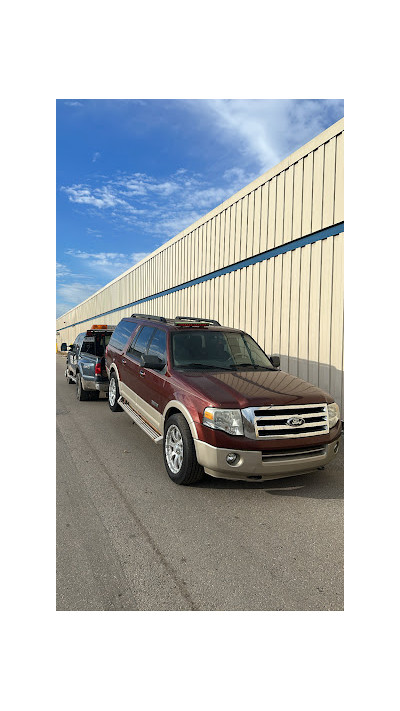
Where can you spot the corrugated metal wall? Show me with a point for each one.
(289, 297)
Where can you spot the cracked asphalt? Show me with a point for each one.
(130, 539)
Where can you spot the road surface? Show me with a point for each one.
(128, 538)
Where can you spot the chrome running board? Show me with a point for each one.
(153, 434)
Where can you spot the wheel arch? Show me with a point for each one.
(176, 407)
(113, 370)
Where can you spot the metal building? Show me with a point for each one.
(268, 260)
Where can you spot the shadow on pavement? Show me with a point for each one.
(315, 485)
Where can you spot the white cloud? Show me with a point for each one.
(111, 264)
(100, 197)
(138, 256)
(239, 178)
(62, 308)
(96, 156)
(95, 233)
(258, 132)
(173, 225)
(62, 270)
(73, 103)
(140, 184)
(156, 206)
(264, 131)
(74, 293)
(164, 188)
(247, 120)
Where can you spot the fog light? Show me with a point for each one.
(232, 458)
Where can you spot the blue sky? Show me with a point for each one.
(131, 174)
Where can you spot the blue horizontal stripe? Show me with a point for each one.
(269, 254)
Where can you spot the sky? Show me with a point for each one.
(131, 174)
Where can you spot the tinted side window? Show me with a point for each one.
(158, 345)
(141, 342)
(122, 334)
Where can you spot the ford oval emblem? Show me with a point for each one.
(295, 421)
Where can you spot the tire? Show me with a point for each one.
(113, 394)
(80, 393)
(94, 395)
(179, 452)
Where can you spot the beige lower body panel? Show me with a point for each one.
(149, 413)
(251, 465)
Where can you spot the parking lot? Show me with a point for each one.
(128, 538)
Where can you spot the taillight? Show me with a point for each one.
(97, 369)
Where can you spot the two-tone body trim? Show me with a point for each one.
(175, 404)
(255, 465)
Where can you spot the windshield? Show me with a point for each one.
(217, 350)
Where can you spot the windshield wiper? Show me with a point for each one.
(202, 365)
(249, 365)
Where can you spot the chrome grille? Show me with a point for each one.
(274, 422)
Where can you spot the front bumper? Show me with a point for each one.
(252, 465)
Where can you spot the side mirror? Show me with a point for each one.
(71, 347)
(152, 362)
(275, 360)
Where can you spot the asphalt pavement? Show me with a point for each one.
(128, 538)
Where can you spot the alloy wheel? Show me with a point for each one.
(174, 448)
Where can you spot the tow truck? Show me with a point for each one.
(86, 362)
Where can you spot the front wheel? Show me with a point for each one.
(179, 452)
(113, 394)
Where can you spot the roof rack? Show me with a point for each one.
(191, 319)
(150, 318)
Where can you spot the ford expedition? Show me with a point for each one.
(217, 403)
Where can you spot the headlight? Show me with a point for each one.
(333, 414)
(229, 421)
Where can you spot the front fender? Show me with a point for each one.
(177, 405)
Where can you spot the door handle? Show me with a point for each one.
(142, 373)
(123, 361)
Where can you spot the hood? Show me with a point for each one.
(252, 389)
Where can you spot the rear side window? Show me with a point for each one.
(122, 334)
(79, 341)
(141, 342)
(88, 345)
(158, 345)
(96, 345)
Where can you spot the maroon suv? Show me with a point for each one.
(217, 402)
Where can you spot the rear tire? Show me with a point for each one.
(179, 452)
(113, 394)
(94, 395)
(80, 392)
